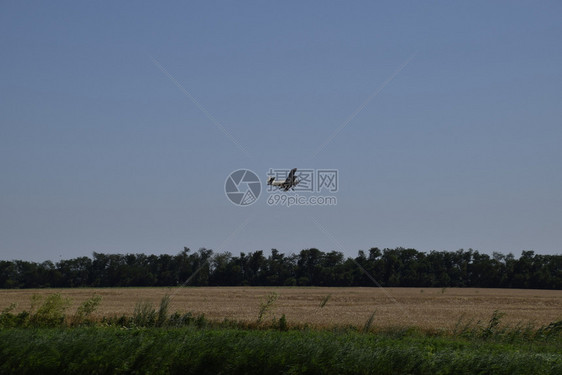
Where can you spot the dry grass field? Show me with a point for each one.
(427, 308)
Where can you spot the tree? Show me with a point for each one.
(389, 267)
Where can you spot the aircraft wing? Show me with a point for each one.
(291, 177)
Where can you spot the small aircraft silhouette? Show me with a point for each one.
(289, 183)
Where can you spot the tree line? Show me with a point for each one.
(399, 267)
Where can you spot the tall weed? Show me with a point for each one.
(85, 310)
(51, 312)
(266, 305)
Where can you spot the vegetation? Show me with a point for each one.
(191, 350)
(398, 267)
(151, 340)
(266, 305)
(431, 310)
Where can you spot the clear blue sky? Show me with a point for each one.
(100, 150)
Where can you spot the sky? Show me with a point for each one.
(120, 123)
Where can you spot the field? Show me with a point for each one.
(280, 331)
(425, 308)
(191, 350)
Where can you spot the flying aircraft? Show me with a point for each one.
(289, 183)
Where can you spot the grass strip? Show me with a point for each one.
(191, 350)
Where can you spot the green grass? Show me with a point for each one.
(46, 340)
(191, 350)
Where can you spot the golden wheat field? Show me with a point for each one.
(426, 308)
